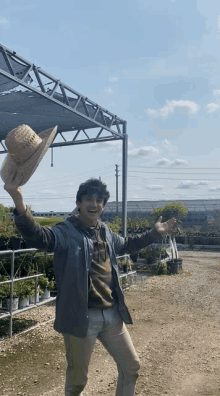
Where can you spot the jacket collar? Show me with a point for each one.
(81, 226)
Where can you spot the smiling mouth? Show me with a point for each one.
(91, 211)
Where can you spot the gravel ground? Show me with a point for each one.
(199, 286)
(176, 333)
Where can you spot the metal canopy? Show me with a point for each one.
(42, 107)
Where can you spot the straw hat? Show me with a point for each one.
(25, 152)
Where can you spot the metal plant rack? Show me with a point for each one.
(4, 313)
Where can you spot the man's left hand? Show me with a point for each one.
(165, 228)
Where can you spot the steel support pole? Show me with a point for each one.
(11, 293)
(116, 190)
(124, 179)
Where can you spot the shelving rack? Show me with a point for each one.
(11, 313)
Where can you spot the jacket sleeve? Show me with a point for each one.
(131, 244)
(36, 236)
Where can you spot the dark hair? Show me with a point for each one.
(91, 187)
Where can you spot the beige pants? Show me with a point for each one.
(107, 326)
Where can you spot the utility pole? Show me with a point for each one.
(116, 190)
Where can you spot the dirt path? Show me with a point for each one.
(176, 333)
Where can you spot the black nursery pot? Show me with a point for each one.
(4, 243)
(175, 265)
(15, 243)
(125, 268)
(134, 257)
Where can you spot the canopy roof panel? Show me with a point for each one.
(40, 113)
(41, 107)
(13, 66)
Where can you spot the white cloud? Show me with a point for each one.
(166, 144)
(109, 90)
(212, 107)
(3, 21)
(155, 187)
(113, 79)
(186, 106)
(143, 151)
(152, 113)
(167, 162)
(216, 92)
(163, 161)
(179, 162)
(216, 188)
(192, 184)
(115, 145)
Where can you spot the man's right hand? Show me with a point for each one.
(12, 188)
(12, 185)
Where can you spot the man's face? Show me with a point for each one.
(91, 209)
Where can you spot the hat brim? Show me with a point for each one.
(9, 166)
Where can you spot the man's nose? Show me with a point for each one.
(94, 201)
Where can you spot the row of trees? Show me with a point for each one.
(177, 210)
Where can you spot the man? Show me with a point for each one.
(90, 303)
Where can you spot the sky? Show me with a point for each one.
(155, 64)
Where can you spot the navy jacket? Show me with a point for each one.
(73, 253)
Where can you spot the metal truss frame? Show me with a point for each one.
(49, 95)
(121, 125)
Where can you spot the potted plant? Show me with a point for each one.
(11, 235)
(6, 292)
(32, 295)
(125, 264)
(4, 240)
(23, 290)
(2, 294)
(134, 256)
(163, 253)
(46, 286)
(15, 241)
(33, 291)
(161, 268)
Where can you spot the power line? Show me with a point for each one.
(70, 177)
(156, 167)
(171, 178)
(170, 173)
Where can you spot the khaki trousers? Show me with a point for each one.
(107, 326)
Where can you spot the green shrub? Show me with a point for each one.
(49, 222)
(23, 289)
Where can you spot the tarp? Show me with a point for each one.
(19, 70)
(32, 109)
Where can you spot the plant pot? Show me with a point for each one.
(4, 243)
(175, 265)
(14, 304)
(32, 299)
(134, 257)
(23, 244)
(45, 295)
(15, 243)
(124, 268)
(23, 303)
